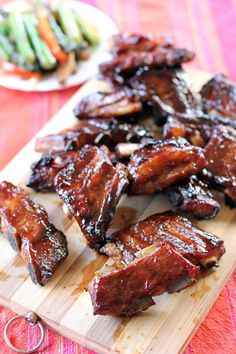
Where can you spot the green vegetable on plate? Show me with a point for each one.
(8, 48)
(46, 59)
(18, 33)
(68, 22)
(66, 44)
(40, 38)
(90, 32)
(3, 53)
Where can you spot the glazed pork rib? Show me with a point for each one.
(157, 165)
(44, 171)
(124, 290)
(93, 132)
(219, 95)
(91, 188)
(166, 91)
(194, 197)
(194, 127)
(117, 103)
(85, 132)
(220, 154)
(126, 42)
(125, 65)
(30, 232)
(197, 246)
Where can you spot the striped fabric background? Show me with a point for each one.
(205, 26)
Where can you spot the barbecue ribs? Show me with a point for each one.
(195, 127)
(166, 91)
(219, 95)
(30, 232)
(156, 166)
(118, 69)
(91, 188)
(126, 42)
(45, 170)
(121, 102)
(220, 154)
(124, 290)
(85, 132)
(197, 246)
(193, 197)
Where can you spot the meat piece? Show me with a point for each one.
(117, 103)
(219, 96)
(196, 128)
(191, 127)
(220, 155)
(91, 188)
(30, 232)
(115, 290)
(126, 42)
(193, 197)
(194, 244)
(166, 91)
(93, 132)
(47, 167)
(156, 166)
(85, 132)
(125, 65)
(218, 135)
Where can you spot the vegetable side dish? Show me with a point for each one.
(40, 39)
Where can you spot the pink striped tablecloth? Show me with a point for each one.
(206, 26)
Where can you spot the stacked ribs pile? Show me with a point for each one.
(187, 150)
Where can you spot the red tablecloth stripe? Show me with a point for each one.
(205, 26)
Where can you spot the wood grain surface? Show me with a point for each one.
(65, 306)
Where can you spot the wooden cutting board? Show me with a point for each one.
(64, 305)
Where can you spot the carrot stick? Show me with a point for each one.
(12, 69)
(48, 35)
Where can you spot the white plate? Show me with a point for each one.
(86, 69)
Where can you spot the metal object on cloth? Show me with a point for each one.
(32, 319)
